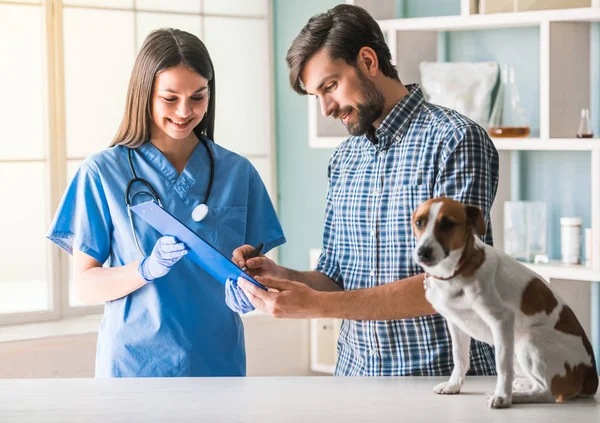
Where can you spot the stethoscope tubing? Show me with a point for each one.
(154, 193)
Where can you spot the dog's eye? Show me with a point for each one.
(446, 224)
(419, 224)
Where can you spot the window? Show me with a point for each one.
(66, 67)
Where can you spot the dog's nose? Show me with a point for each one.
(425, 253)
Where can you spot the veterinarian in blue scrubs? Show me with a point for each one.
(164, 315)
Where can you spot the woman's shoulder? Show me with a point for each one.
(105, 160)
(230, 157)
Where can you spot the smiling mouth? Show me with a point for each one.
(179, 124)
(345, 116)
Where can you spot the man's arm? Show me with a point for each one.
(316, 280)
(401, 299)
(264, 266)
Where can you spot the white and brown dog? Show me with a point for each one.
(487, 295)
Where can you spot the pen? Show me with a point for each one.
(253, 254)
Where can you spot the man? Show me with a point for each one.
(402, 151)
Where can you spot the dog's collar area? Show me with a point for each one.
(457, 272)
(427, 275)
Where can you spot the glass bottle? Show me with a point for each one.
(585, 125)
(508, 117)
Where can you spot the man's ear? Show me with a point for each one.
(368, 58)
(475, 217)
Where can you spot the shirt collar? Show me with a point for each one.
(396, 122)
(197, 161)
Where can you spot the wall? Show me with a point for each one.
(301, 172)
(274, 347)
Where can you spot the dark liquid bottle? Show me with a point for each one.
(585, 125)
(507, 119)
(509, 131)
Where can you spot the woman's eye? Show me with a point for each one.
(198, 98)
(169, 100)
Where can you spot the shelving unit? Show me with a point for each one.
(496, 20)
(565, 40)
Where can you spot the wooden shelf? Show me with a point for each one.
(552, 144)
(496, 20)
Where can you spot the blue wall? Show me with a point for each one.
(301, 171)
(559, 178)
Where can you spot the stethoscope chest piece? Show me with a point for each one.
(199, 212)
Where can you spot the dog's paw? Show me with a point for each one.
(498, 401)
(447, 388)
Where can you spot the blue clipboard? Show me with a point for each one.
(201, 252)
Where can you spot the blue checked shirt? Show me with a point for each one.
(422, 151)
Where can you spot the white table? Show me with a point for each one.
(269, 399)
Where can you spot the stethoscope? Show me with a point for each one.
(199, 212)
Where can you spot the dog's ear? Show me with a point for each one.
(412, 221)
(475, 217)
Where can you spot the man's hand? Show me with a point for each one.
(285, 299)
(258, 266)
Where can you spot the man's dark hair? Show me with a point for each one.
(343, 31)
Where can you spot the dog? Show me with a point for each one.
(487, 295)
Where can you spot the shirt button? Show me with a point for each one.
(382, 155)
(373, 233)
(372, 273)
(372, 353)
(375, 191)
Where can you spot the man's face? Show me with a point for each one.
(344, 91)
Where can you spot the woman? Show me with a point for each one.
(164, 315)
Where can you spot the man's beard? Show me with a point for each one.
(368, 110)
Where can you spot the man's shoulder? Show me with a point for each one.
(450, 128)
(446, 120)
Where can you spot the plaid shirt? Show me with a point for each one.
(422, 151)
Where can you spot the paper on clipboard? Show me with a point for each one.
(201, 252)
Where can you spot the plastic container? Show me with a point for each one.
(570, 239)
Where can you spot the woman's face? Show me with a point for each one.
(179, 102)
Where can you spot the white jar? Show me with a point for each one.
(570, 239)
(587, 251)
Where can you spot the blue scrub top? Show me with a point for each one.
(179, 325)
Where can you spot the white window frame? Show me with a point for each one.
(56, 159)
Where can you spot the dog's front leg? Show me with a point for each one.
(501, 322)
(461, 344)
